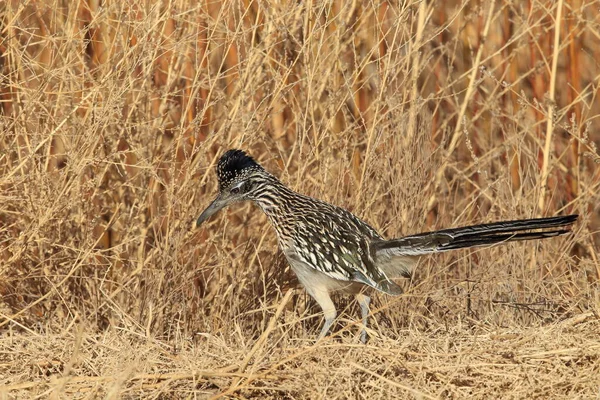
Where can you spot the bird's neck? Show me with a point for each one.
(278, 202)
(275, 198)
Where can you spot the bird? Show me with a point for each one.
(332, 250)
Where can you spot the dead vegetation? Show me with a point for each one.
(413, 115)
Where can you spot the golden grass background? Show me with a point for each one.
(413, 115)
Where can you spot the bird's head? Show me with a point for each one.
(240, 178)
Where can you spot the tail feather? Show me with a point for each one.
(502, 237)
(475, 236)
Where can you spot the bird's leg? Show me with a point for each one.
(323, 299)
(363, 301)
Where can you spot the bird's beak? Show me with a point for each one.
(215, 206)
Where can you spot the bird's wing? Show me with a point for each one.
(337, 247)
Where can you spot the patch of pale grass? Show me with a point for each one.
(559, 360)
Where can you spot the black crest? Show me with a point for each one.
(232, 164)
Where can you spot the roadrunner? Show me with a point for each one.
(331, 249)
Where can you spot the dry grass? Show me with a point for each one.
(560, 360)
(415, 116)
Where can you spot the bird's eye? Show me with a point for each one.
(235, 190)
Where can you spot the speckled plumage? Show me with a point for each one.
(330, 249)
